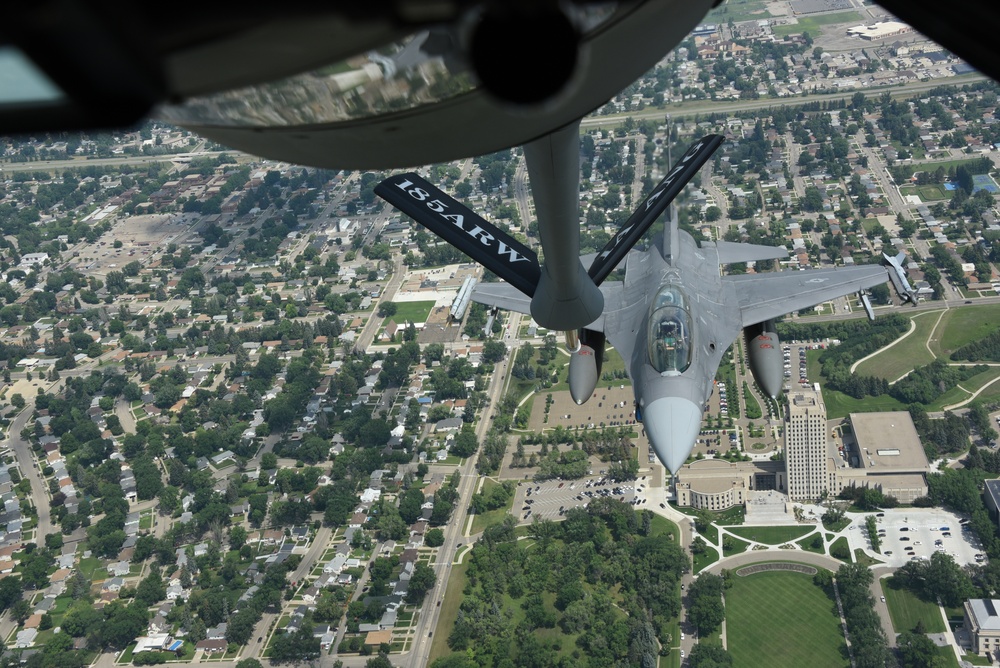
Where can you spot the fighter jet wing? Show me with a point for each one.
(506, 296)
(765, 296)
(502, 295)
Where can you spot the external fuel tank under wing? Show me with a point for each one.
(673, 316)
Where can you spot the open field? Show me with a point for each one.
(929, 193)
(909, 352)
(739, 10)
(811, 24)
(412, 311)
(799, 629)
(771, 535)
(961, 326)
(944, 164)
(839, 405)
(906, 610)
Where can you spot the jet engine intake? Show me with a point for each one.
(764, 353)
(585, 365)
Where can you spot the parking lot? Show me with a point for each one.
(913, 533)
(550, 499)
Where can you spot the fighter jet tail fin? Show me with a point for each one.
(461, 227)
(654, 205)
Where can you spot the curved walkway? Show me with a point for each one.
(971, 397)
(913, 328)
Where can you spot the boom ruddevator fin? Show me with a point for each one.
(461, 227)
(651, 207)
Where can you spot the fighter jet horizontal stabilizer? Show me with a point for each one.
(464, 229)
(651, 207)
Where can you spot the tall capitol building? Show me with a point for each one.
(805, 445)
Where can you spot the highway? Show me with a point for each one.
(77, 163)
(703, 107)
(453, 533)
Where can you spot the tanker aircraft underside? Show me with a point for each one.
(671, 319)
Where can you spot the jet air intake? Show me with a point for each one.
(764, 353)
(585, 365)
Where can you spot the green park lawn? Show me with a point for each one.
(906, 610)
(841, 544)
(807, 544)
(961, 326)
(771, 535)
(739, 10)
(779, 620)
(412, 311)
(704, 560)
(732, 545)
(661, 525)
(909, 351)
(839, 405)
(811, 24)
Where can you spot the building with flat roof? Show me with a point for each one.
(805, 445)
(882, 451)
(982, 621)
(991, 493)
(715, 484)
(879, 30)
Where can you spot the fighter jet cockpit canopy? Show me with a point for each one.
(670, 332)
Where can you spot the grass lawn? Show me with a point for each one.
(798, 628)
(967, 389)
(840, 543)
(807, 544)
(960, 326)
(839, 405)
(974, 659)
(732, 545)
(771, 535)
(735, 515)
(944, 164)
(860, 557)
(711, 534)
(661, 525)
(89, 565)
(739, 10)
(704, 560)
(481, 521)
(931, 193)
(811, 24)
(449, 611)
(909, 352)
(906, 610)
(412, 312)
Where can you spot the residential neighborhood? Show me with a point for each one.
(248, 411)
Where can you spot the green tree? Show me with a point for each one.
(421, 582)
(434, 538)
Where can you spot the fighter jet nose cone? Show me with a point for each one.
(672, 426)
